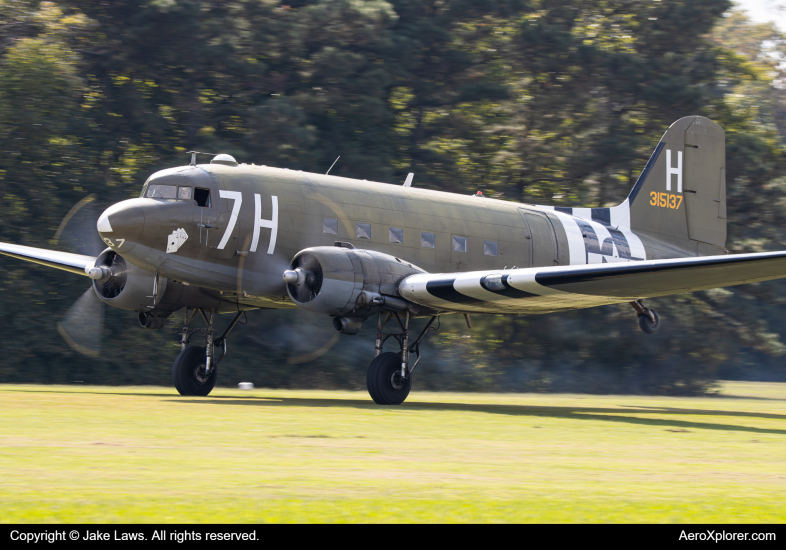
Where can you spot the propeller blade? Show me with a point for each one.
(83, 324)
(315, 354)
(77, 232)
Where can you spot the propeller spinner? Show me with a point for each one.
(304, 279)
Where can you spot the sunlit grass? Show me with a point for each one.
(93, 454)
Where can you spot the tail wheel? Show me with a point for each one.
(648, 325)
(189, 373)
(384, 381)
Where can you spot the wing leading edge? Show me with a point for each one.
(559, 288)
(75, 263)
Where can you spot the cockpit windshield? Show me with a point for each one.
(157, 191)
(161, 192)
(171, 185)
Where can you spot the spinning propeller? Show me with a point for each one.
(304, 280)
(83, 324)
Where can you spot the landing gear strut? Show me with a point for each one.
(195, 368)
(648, 318)
(389, 377)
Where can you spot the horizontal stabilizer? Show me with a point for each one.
(75, 263)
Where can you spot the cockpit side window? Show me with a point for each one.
(202, 197)
(184, 193)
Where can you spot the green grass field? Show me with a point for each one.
(143, 454)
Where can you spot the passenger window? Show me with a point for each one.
(161, 192)
(489, 248)
(184, 193)
(427, 240)
(460, 244)
(202, 197)
(363, 231)
(330, 226)
(395, 235)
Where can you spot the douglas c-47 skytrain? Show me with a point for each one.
(227, 237)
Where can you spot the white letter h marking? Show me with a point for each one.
(670, 170)
(270, 224)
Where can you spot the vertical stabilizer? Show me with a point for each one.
(678, 205)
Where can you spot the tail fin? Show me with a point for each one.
(678, 205)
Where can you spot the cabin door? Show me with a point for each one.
(542, 239)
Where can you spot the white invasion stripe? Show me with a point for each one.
(637, 249)
(524, 279)
(413, 287)
(576, 245)
(583, 213)
(620, 219)
(469, 285)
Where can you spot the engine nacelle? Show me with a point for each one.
(123, 285)
(342, 282)
(126, 286)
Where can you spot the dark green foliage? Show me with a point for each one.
(544, 101)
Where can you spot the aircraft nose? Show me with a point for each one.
(120, 223)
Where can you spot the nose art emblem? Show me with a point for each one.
(176, 240)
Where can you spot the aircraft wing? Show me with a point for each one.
(559, 288)
(75, 263)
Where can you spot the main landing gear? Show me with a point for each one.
(195, 368)
(648, 318)
(389, 377)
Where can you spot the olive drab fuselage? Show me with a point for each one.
(233, 229)
(439, 232)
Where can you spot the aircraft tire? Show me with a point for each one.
(384, 380)
(185, 372)
(647, 325)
